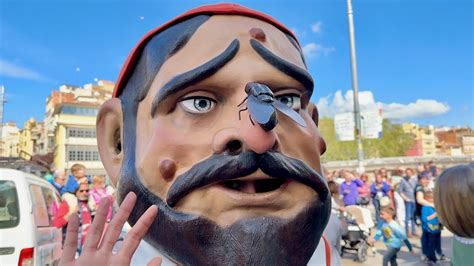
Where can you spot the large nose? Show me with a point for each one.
(246, 135)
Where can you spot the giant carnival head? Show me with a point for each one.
(211, 121)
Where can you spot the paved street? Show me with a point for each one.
(404, 257)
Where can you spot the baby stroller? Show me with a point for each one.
(359, 222)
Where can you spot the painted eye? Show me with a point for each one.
(290, 100)
(198, 104)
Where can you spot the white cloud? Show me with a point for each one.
(421, 108)
(331, 105)
(317, 27)
(313, 50)
(9, 69)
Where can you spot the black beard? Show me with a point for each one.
(194, 240)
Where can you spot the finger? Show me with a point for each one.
(70, 243)
(94, 233)
(115, 227)
(134, 236)
(156, 261)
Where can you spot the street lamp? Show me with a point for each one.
(355, 88)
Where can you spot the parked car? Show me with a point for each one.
(27, 207)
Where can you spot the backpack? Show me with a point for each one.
(418, 206)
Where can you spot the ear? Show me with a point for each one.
(313, 112)
(109, 137)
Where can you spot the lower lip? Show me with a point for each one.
(254, 199)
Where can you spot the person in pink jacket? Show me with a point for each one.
(364, 190)
(98, 192)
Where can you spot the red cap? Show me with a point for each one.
(217, 9)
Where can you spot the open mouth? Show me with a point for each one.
(254, 186)
(248, 177)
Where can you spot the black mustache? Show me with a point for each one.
(222, 167)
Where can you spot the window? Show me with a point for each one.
(72, 156)
(45, 205)
(9, 209)
(40, 211)
(81, 133)
(88, 156)
(79, 110)
(95, 156)
(82, 153)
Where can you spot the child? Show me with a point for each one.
(98, 192)
(392, 234)
(78, 177)
(431, 237)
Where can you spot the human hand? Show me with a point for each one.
(412, 253)
(83, 180)
(96, 252)
(371, 241)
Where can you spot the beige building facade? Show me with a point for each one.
(29, 138)
(425, 140)
(9, 140)
(71, 119)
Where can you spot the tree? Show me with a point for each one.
(395, 142)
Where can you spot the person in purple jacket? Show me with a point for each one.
(348, 188)
(378, 190)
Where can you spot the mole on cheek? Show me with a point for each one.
(258, 34)
(167, 169)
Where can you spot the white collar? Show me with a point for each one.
(465, 240)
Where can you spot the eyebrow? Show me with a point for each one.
(288, 68)
(184, 80)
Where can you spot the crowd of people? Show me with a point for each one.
(402, 205)
(79, 193)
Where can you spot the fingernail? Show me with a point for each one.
(131, 194)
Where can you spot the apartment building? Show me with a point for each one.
(71, 119)
(9, 140)
(425, 140)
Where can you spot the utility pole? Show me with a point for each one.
(355, 88)
(2, 103)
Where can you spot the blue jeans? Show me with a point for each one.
(390, 255)
(376, 203)
(410, 216)
(431, 244)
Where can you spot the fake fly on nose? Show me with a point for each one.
(262, 106)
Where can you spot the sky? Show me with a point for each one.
(414, 57)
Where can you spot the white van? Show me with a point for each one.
(27, 236)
